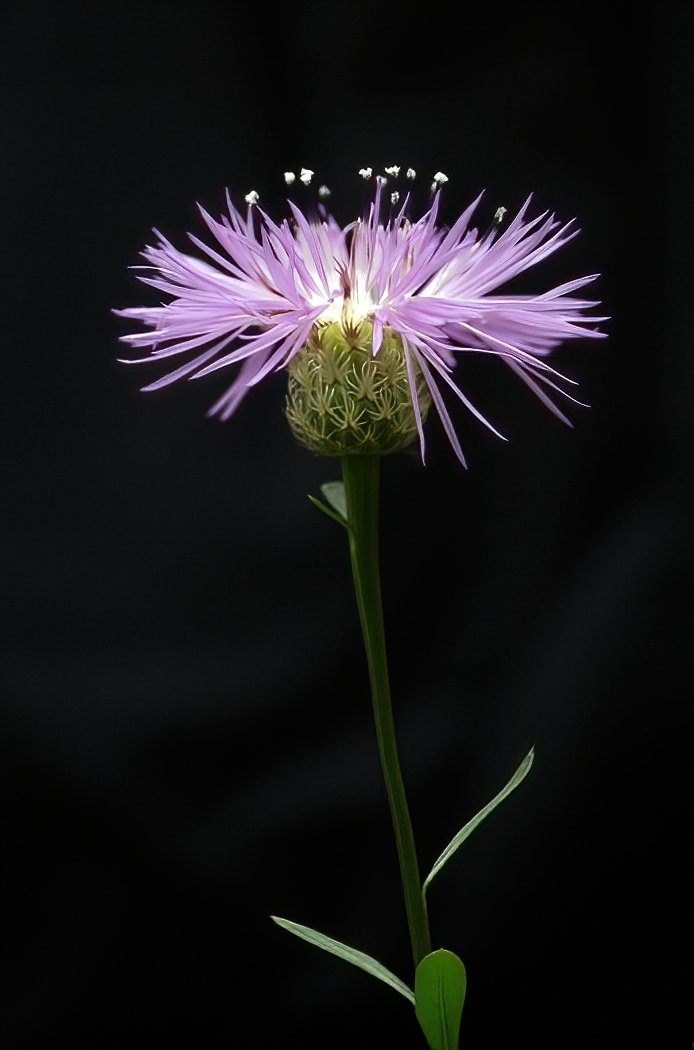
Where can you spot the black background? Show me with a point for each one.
(186, 737)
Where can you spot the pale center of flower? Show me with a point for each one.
(347, 311)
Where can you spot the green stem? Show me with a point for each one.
(361, 479)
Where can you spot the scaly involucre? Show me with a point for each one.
(261, 290)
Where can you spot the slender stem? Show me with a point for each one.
(361, 480)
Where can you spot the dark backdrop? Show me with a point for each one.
(186, 737)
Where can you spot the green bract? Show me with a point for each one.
(343, 400)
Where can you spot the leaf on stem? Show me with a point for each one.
(343, 951)
(336, 506)
(334, 492)
(464, 832)
(439, 987)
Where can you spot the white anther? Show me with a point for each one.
(440, 178)
(393, 170)
(394, 197)
(411, 173)
(381, 180)
(366, 173)
(499, 215)
(323, 191)
(252, 197)
(305, 175)
(289, 177)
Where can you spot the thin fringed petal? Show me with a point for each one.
(413, 393)
(539, 392)
(229, 402)
(186, 369)
(457, 391)
(441, 408)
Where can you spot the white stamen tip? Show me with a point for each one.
(305, 175)
(393, 170)
(440, 178)
(381, 180)
(411, 173)
(252, 197)
(366, 173)
(289, 177)
(394, 197)
(499, 215)
(323, 191)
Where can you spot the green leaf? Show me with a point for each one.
(334, 492)
(336, 507)
(439, 989)
(327, 510)
(343, 951)
(458, 840)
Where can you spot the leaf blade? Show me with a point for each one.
(440, 985)
(344, 951)
(467, 829)
(328, 511)
(334, 493)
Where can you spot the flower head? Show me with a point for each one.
(368, 319)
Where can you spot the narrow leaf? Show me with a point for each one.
(334, 492)
(327, 510)
(439, 987)
(464, 832)
(351, 955)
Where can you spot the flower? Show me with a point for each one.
(387, 302)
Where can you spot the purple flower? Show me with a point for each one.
(266, 290)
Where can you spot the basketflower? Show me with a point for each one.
(369, 321)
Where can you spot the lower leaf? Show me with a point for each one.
(350, 955)
(439, 988)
